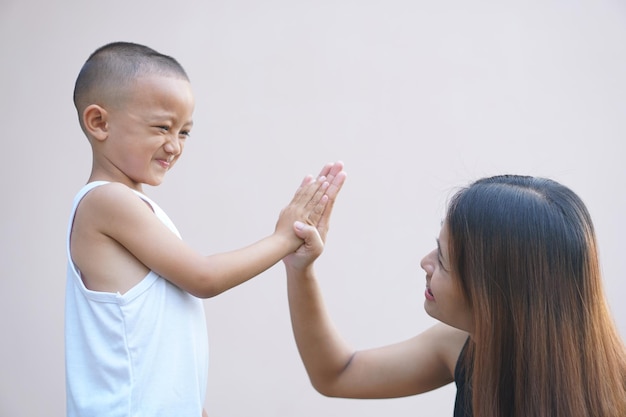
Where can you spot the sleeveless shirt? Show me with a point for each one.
(463, 401)
(141, 353)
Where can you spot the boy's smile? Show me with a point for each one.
(146, 131)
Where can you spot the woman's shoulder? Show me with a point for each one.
(448, 341)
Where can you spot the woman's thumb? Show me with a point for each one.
(302, 230)
(306, 232)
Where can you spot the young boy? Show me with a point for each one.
(136, 342)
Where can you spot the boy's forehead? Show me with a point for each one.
(160, 95)
(156, 84)
(129, 83)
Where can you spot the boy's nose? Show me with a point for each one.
(173, 145)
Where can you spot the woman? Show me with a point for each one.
(515, 282)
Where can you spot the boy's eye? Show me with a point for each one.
(164, 128)
(185, 133)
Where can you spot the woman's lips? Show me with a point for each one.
(429, 294)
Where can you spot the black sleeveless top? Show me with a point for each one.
(463, 401)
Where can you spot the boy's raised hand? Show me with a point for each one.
(314, 233)
(311, 200)
(335, 176)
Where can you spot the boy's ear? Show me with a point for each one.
(95, 121)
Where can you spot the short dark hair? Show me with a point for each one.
(118, 63)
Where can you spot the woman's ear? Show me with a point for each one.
(95, 122)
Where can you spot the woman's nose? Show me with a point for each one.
(428, 262)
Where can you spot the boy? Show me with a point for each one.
(136, 342)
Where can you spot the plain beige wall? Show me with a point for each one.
(416, 97)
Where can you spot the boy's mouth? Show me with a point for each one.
(166, 162)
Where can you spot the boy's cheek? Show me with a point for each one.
(175, 160)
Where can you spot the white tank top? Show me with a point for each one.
(143, 353)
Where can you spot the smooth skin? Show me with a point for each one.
(137, 135)
(413, 366)
(116, 238)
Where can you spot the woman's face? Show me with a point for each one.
(444, 299)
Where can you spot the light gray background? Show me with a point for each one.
(416, 97)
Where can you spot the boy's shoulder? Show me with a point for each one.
(105, 191)
(111, 197)
(108, 235)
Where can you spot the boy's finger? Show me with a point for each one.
(307, 189)
(334, 181)
(328, 174)
(330, 170)
(332, 191)
(326, 169)
(317, 210)
(314, 194)
(333, 170)
(310, 189)
(335, 184)
(306, 180)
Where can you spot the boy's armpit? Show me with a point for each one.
(108, 234)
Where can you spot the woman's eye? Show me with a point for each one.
(440, 262)
(441, 265)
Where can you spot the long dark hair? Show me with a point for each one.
(544, 344)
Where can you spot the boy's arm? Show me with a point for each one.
(335, 369)
(124, 228)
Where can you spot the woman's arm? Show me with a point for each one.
(414, 366)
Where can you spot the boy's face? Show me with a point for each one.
(148, 128)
